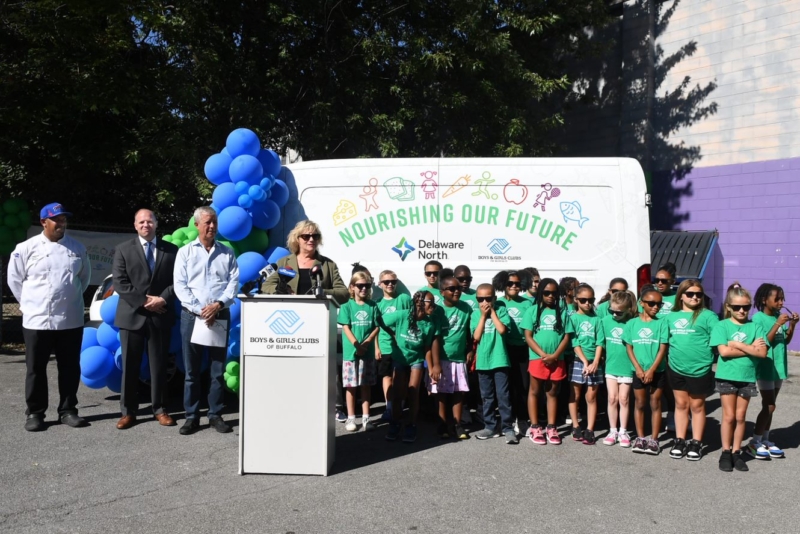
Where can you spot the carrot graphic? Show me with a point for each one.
(459, 184)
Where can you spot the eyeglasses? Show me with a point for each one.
(694, 294)
(484, 299)
(464, 278)
(584, 300)
(306, 237)
(662, 281)
(653, 303)
(740, 307)
(616, 313)
(388, 282)
(549, 293)
(431, 273)
(362, 286)
(511, 283)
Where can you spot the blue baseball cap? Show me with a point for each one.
(53, 210)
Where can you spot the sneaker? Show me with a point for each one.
(577, 433)
(678, 450)
(726, 461)
(386, 415)
(552, 435)
(652, 447)
(738, 462)
(460, 433)
(516, 427)
(639, 445)
(341, 417)
(35, 423)
(511, 437)
(487, 433)
(588, 437)
(350, 424)
(537, 435)
(757, 450)
(466, 418)
(410, 434)
(694, 451)
(219, 425)
(367, 425)
(670, 426)
(442, 431)
(611, 438)
(624, 439)
(394, 431)
(774, 450)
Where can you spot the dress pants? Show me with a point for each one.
(133, 343)
(39, 345)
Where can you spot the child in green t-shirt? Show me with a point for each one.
(619, 371)
(489, 324)
(385, 347)
(615, 286)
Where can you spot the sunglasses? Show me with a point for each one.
(431, 273)
(616, 313)
(306, 237)
(740, 307)
(511, 283)
(484, 299)
(612, 291)
(388, 282)
(790, 312)
(464, 278)
(662, 281)
(452, 289)
(653, 303)
(549, 293)
(584, 300)
(694, 294)
(362, 286)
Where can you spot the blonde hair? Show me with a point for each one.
(734, 292)
(357, 277)
(384, 273)
(626, 299)
(293, 239)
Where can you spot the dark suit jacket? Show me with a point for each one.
(132, 281)
(331, 281)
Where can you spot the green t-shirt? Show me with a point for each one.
(617, 361)
(400, 302)
(362, 320)
(412, 346)
(455, 331)
(468, 297)
(666, 309)
(738, 368)
(529, 297)
(516, 309)
(602, 310)
(437, 295)
(491, 352)
(546, 336)
(646, 338)
(689, 351)
(586, 332)
(775, 366)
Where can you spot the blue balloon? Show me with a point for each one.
(233, 350)
(96, 363)
(273, 254)
(236, 311)
(98, 383)
(266, 182)
(224, 196)
(225, 151)
(279, 193)
(114, 380)
(89, 338)
(245, 201)
(250, 263)
(235, 332)
(213, 207)
(270, 161)
(107, 338)
(242, 188)
(216, 168)
(268, 216)
(118, 359)
(242, 141)
(234, 223)
(246, 169)
(109, 309)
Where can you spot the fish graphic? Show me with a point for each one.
(572, 212)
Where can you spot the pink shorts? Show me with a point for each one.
(540, 371)
(454, 378)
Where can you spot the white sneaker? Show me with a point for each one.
(350, 424)
(774, 450)
(611, 438)
(366, 424)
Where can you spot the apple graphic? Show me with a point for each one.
(515, 192)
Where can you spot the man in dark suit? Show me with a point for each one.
(142, 273)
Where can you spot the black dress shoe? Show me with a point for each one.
(73, 420)
(35, 423)
(189, 427)
(219, 425)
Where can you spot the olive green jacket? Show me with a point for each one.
(331, 281)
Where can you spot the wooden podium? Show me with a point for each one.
(287, 392)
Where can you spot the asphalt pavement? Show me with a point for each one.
(151, 479)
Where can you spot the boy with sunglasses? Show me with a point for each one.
(464, 277)
(385, 349)
(432, 270)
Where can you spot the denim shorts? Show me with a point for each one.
(399, 365)
(745, 390)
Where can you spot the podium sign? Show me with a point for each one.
(287, 370)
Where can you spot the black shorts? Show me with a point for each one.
(659, 382)
(745, 390)
(693, 385)
(385, 366)
(518, 354)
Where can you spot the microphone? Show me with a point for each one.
(316, 274)
(285, 275)
(263, 274)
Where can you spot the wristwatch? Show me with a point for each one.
(222, 304)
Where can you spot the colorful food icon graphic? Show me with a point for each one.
(345, 211)
(572, 212)
(400, 189)
(515, 192)
(457, 186)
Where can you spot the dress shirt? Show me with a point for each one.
(144, 242)
(48, 279)
(202, 277)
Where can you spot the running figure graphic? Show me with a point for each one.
(483, 186)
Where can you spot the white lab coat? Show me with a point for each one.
(48, 280)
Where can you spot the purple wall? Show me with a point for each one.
(756, 209)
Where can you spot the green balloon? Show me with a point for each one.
(233, 246)
(233, 383)
(11, 220)
(232, 368)
(25, 218)
(179, 235)
(20, 234)
(167, 238)
(225, 376)
(256, 241)
(191, 233)
(185, 242)
(191, 223)
(11, 206)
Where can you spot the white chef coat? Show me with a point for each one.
(48, 279)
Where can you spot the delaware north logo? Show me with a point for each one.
(499, 246)
(739, 336)
(284, 322)
(403, 249)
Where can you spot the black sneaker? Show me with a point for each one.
(588, 437)
(73, 420)
(460, 433)
(577, 433)
(219, 425)
(189, 427)
(678, 450)
(726, 461)
(694, 451)
(738, 462)
(35, 423)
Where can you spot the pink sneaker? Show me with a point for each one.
(624, 439)
(537, 436)
(552, 436)
(611, 438)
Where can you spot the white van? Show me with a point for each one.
(580, 217)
